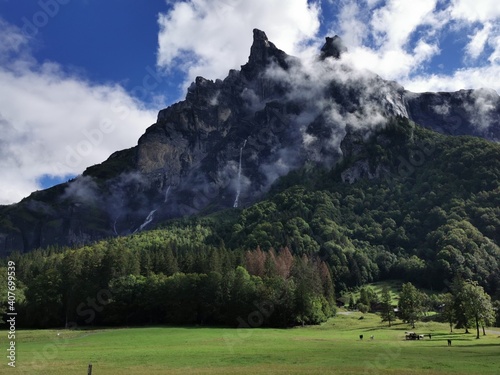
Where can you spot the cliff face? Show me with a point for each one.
(465, 112)
(229, 140)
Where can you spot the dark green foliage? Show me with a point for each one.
(496, 309)
(368, 297)
(119, 162)
(431, 213)
(473, 304)
(448, 309)
(172, 277)
(410, 304)
(362, 307)
(468, 306)
(387, 311)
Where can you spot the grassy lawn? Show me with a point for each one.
(332, 348)
(393, 285)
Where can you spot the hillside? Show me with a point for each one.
(228, 142)
(420, 210)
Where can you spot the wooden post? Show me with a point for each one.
(90, 369)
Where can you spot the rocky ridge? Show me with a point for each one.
(229, 140)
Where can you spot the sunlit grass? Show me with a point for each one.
(333, 347)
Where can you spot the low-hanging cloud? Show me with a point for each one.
(209, 37)
(54, 123)
(333, 97)
(398, 40)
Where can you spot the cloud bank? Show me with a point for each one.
(209, 37)
(53, 123)
(399, 40)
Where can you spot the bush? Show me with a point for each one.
(363, 308)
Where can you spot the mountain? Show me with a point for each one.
(230, 140)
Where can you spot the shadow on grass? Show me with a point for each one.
(480, 346)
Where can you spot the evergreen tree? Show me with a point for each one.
(387, 312)
(352, 302)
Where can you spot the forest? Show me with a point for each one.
(171, 277)
(432, 214)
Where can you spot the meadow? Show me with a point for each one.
(331, 348)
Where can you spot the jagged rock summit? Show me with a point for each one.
(262, 53)
(231, 139)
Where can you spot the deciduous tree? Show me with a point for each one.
(410, 304)
(476, 304)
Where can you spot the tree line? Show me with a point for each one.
(425, 227)
(175, 284)
(465, 305)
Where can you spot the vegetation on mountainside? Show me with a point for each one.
(432, 213)
(423, 227)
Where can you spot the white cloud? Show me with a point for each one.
(47, 115)
(394, 23)
(209, 37)
(475, 10)
(353, 28)
(10, 40)
(393, 40)
(495, 55)
(56, 124)
(396, 39)
(466, 78)
(399, 40)
(478, 42)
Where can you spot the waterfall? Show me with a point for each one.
(151, 215)
(114, 226)
(238, 186)
(148, 220)
(166, 194)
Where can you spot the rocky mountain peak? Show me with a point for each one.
(226, 144)
(259, 35)
(262, 53)
(334, 47)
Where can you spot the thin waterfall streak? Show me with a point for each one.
(238, 186)
(114, 226)
(166, 194)
(148, 220)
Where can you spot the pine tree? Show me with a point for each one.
(284, 262)
(387, 313)
(352, 302)
(171, 266)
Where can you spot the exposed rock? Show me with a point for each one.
(361, 170)
(465, 112)
(262, 53)
(237, 136)
(334, 47)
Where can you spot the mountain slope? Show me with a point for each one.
(424, 208)
(230, 140)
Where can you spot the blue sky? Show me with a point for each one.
(80, 79)
(103, 41)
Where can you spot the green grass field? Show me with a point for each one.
(332, 348)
